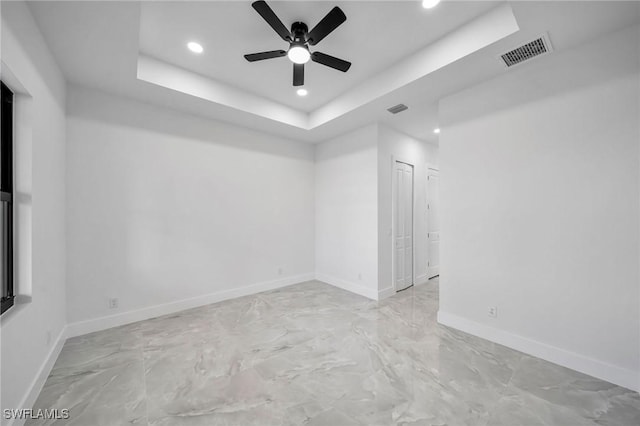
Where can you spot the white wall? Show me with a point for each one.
(31, 332)
(346, 211)
(354, 210)
(540, 208)
(166, 207)
(394, 146)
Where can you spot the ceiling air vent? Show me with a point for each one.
(534, 48)
(398, 108)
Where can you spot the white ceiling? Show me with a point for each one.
(370, 38)
(98, 44)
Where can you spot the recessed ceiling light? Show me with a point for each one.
(428, 4)
(302, 92)
(195, 47)
(436, 131)
(299, 54)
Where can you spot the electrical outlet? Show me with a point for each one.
(279, 271)
(492, 311)
(360, 277)
(113, 303)
(48, 337)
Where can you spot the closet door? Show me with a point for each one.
(433, 264)
(403, 225)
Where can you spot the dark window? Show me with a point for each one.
(6, 193)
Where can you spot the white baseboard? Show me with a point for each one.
(433, 271)
(103, 323)
(390, 291)
(422, 279)
(36, 385)
(348, 286)
(387, 292)
(617, 375)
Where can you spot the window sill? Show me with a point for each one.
(20, 303)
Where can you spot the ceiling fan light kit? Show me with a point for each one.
(299, 39)
(298, 54)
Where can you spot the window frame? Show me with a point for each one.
(6, 195)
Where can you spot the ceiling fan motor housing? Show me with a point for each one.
(299, 30)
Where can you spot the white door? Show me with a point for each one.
(433, 215)
(403, 226)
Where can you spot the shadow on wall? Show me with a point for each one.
(101, 107)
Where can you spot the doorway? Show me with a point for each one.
(433, 223)
(403, 225)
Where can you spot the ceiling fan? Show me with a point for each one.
(299, 39)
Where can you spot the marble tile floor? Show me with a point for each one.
(312, 354)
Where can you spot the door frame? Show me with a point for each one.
(431, 171)
(395, 160)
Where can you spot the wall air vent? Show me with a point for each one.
(534, 48)
(398, 108)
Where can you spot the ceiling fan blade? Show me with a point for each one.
(298, 74)
(272, 19)
(330, 22)
(265, 55)
(330, 61)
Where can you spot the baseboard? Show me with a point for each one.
(103, 323)
(348, 286)
(422, 279)
(601, 370)
(387, 292)
(390, 291)
(43, 373)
